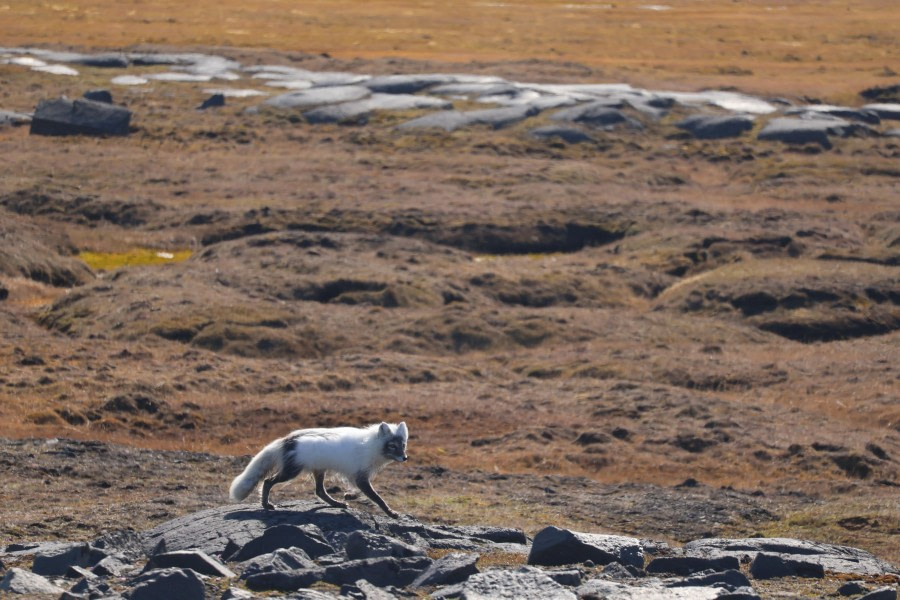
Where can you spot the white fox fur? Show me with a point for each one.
(355, 453)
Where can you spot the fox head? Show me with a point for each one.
(395, 440)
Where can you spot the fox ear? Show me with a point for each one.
(384, 430)
(402, 431)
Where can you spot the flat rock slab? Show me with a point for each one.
(569, 135)
(553, 546)
(406, 84)
(451, 120)
(79, 117)
(525, 583)
(837, 559)
(888, 111)
(654, 589)
(361, 109)
(713, 127)
(804, 131)
(319, 96)
(19, 581)
(8, 117)
(236, 525)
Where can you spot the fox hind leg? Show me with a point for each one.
(287, 472)
(319, 476)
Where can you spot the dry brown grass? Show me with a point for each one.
(831, 48)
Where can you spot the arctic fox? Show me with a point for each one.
(357, 454)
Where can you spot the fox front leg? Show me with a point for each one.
(365, 486)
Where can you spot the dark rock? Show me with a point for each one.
(817, 111)
(688, 565)
(234, 526)
(124, 543)
(362, 544)
(595, 114)
(731, 579)
(383, 571)
(195, 560)
(452, 568)
(213, 101)
(363, 590)
(852, 588)
(839, 559)
(882, 93)
(805, 131)
(58, 561)
(308, 538)
(168, 584)
(91, 588)
(285, 581)
(886, 111)
(525, 583)
(616, 570)
(110, 567)
(19, 581)
(451, 120)
(713, 127)
(105, 61)
(237, 594)
(79, 117)
(569, 135)
(554, 547)
(406, 84)
(283, 559)
(104, 96)
(883, 593)
(769, 566)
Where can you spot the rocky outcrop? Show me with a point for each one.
(79, 117)
(365, 555)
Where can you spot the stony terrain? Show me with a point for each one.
(657, 314)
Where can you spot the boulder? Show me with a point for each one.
(364, 590)
(769, 566)
(318, 96)
(834, 558)
(195, 560)
(382, 572)
(19, 581)
(595, 114)
(452, 120)
(451, 568)
(362, 544)
(110, 567)
(554, 547)
(283, 559)
(285, 581)
(882, 593)
(816, 111)
(308, 538)
(713, 127)
(406, 84)
(525, 583)
(214, 101)
(79, 117)
(804, 131)
(654, 588)
(233, 526)
(688, 565)
(57, 561)
(168, 584)
(731, 579)
(103, 96)
(360, 110)
(886, 111)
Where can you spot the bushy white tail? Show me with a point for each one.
(261, 465)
